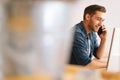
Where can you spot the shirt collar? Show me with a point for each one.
(83, 29)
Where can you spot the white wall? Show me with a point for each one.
(112, 15)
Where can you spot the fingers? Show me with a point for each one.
(104, 28)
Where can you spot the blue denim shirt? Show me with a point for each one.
(80, 49)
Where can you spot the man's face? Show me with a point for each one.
(96, 21)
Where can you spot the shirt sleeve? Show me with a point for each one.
(79, 50)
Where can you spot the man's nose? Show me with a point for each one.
(100, 23)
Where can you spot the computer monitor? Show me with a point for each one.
(114, 52)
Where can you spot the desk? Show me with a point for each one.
(71, 73)
(76, 72)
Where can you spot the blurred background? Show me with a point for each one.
(76, 14)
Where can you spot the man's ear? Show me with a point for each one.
(87, 16)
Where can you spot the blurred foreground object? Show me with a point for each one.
(110, 75)
(36, 38)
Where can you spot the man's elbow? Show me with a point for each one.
(98, 57)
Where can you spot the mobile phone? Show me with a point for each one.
(100, 31)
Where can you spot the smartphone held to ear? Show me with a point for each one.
(100, 31)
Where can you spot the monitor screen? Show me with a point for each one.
(114, 52)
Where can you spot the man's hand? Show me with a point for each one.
(103, 35)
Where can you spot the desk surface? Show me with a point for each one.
(69, 74)
(72, 73)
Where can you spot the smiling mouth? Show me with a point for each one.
(97, 27)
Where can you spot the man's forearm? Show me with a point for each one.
(101, 49)
(96, 64)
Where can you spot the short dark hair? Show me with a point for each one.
(92, 9)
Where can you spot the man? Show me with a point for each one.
(85, 44)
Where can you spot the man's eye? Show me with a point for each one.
(98, 19)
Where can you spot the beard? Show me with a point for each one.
(91, 27)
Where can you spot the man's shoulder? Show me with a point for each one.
(79, 31)
(78, 28)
